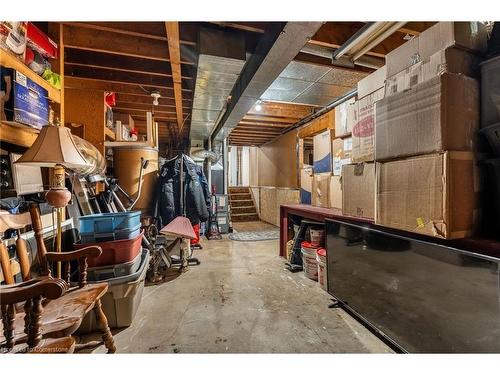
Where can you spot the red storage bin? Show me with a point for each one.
(114, 252)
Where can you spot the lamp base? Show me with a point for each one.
(58, 197)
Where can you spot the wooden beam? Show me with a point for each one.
(116, 86)
(127, 109)
(113, 75)
(415, 28)
(254, 27)
(150, 30)
(260, 128)
(116, 44)
(256, 123)
(282, 110)
(149, 106)
(126, 63)
(172, 30)
(264, 119)
(147, 99)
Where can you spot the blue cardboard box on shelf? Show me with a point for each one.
(29, 104)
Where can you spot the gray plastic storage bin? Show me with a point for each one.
(121, 301)
(490, 92)
(103, 273)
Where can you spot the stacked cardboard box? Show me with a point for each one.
(358, 186)
(306, 184)
(424, 132)
(370, 91)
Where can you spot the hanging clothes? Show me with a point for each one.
(191, 201)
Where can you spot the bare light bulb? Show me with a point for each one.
(258, 107)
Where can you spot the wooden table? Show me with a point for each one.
(476, 245)
(319, 214)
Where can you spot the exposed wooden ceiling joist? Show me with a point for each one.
(254, 27)
(157, 112)
(264, 119)
(172, 30)
(114, 75)
(264, 124)
(148, 100)
(116, 86)
(150, 30)
(126, 45)
(282, 110)
(149, 106)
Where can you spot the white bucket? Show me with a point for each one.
(309, 262)
(322, 275)
(317, 237)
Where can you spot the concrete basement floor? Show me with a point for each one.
(241, 300)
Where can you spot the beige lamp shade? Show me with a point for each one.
(54, 145)
(179, 227)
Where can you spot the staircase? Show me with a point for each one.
(242, 205)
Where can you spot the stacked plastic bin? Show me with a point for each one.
(123, 264)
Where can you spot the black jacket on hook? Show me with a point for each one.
(168, 202)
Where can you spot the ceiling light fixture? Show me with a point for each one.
(156, 95)
(258, 106)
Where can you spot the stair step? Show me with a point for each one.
(241, 203)
(240, 197)
(243, 210)
(239, 190)
(244, 217)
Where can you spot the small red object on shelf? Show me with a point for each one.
(40, 42)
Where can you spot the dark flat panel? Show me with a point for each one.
(426, 297)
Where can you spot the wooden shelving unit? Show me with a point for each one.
(109, 133)
(17, 134)
(9, 60)
(23, 135)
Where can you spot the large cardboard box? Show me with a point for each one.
(336, 192)
(321, 190)
(345, 117)
(306, 184)
(341, 151)
(441, 114)
(450, 60)
(373, 82)
(471, 36)
(322, 151)
(363, 133)
(358, 190)
(433, 194)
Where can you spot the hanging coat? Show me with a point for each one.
(168, 202)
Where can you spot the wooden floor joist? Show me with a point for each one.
(172, 29)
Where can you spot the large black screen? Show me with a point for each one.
(423, 296)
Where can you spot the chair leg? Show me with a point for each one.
(102, 321)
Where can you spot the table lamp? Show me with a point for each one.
(181, 227)
(55, 148)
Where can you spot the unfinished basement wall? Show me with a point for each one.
(273, 176)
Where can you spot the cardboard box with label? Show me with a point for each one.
(434, 195)
(322, 152)
(363, 133)
(306, 184)
(336, 192)
(358, 190)
(321, 190)
(450, 60)
(341, 151)
(28, 102)
(345, 117)
(441, 114)
(471, 36)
